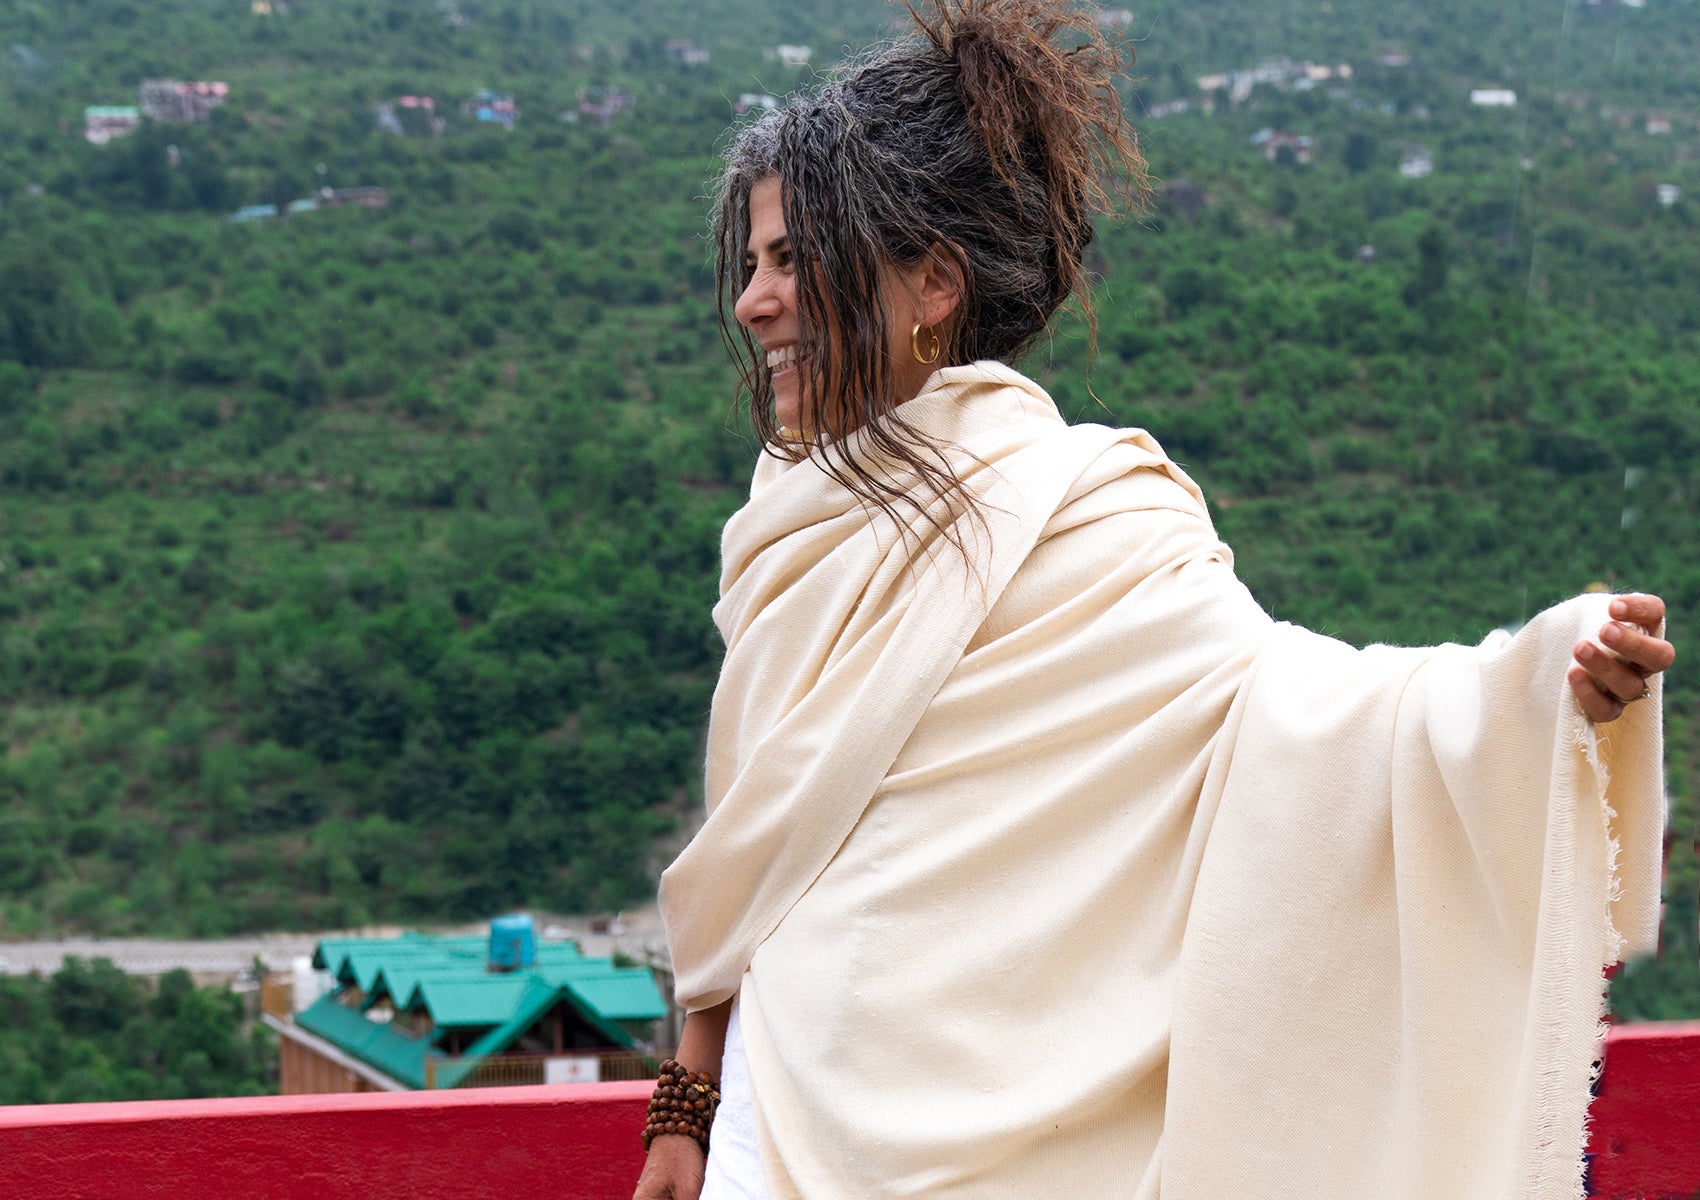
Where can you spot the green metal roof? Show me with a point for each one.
(378, 1044)
(400, 980)
(538, 998)
(623, 997)
(460, 1003)
(621, 993)
(448, 978)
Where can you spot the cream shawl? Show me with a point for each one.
(1062, 870)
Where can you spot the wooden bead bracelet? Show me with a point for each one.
(683, 1103)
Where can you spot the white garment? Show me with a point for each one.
(1043, 863)
(734, 1156)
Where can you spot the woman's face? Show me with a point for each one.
(767, 307)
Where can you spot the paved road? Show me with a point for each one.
(149, 956)
(637, 934)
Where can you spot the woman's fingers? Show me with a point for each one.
(1640, 608)
(1617, 677)
(1631, 637)
(1613, 674)
(1596, 705)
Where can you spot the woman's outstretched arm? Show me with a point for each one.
(674, 1168)
(1611, 672)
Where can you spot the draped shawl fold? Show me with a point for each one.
(1058, 868)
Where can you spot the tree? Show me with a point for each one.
(1434, 255)
(92, 997)
(1360, 151)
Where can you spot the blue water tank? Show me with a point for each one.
(513, 944)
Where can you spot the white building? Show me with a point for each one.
(103, 122)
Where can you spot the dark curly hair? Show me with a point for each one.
(990, 137)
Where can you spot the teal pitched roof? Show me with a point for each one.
(459, 1003)
(377, 1044)
(538, 999)
(623, 997)
(447, 978)
(621, 993)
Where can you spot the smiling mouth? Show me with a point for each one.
(782, 359)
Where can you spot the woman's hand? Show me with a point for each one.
(1608, 681)
(673, 1170)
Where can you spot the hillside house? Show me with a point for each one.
(103, 122)
(1494, 98)
(1271, 143)
(492, 108)
(604, 103)
(1416, 162)
(686, 52)
(410, 116)
(1115, 18)
(185, 103)
(1274, 72)
(353, 197)
(792, 57)
(751, 101)
(328, 197)
(421, 1011)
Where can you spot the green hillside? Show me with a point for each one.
(356, 564)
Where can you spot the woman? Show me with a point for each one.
(1040, 861)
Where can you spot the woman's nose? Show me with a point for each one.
(756, 303)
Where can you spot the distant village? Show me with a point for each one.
(1416, 161)
(187, 102)
(179, 102)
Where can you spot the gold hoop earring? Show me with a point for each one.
(933, 347)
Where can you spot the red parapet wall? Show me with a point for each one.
(579, 1141)
(570, 1142)
(1646, 1118)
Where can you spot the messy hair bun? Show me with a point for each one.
(986, 137)
(1045, 109)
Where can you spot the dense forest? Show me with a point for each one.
(90, 1032)
(355, 563)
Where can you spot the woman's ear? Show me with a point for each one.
(937, 280)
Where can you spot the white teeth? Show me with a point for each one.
(778, 360)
